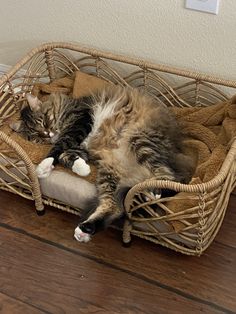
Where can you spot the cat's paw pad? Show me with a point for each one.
(81, 167)
(44, 169)
(153, 195)
(81, 236)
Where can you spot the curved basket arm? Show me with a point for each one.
(226, 174)
(36, 192)
(190, 188)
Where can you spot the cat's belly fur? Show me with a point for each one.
(109, 141)
(131, 172)
(120, 159)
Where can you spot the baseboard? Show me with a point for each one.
(4, 68)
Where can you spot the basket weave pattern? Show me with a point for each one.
(199, 224)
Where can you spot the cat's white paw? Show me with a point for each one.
(45, 167)
(81, 167)
(152, 196)
(81, 236)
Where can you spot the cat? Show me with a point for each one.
(128, 134)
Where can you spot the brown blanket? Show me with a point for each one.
(209, 132)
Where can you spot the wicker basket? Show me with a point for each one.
(172, 86)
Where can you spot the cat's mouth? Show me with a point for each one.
(51, 137)
(54, 137)
(45, 140)
(45, 137)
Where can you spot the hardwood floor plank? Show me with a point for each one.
(212, 277)
(10, 305)
(59, 281)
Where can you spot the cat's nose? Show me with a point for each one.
(88, 227)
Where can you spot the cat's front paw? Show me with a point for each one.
(45, 167)
(81, 236)
(81, 168)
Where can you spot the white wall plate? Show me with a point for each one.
(209, 6)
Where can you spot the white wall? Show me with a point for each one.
(158, 30)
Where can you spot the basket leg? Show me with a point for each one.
(127, 233)
(39, 206)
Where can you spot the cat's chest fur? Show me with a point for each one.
(108, 124)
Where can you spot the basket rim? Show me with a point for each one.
(200, 76)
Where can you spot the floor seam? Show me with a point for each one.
(24, 302)
(107, 264)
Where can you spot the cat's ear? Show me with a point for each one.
(16, 126)
(33, 102)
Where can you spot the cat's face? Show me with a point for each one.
(37, 121)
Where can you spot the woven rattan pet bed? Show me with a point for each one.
(195, 226)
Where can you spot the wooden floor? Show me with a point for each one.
(44, 270)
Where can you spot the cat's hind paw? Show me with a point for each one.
(45, 167)
(153, 195)
(80, 236)
(81, 168)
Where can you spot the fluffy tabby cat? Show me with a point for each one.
(129, 135)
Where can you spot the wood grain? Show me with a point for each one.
(9, 305)
(210, 279)
(59, 281)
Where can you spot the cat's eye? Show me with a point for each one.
(40, 121)
(33, 131)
